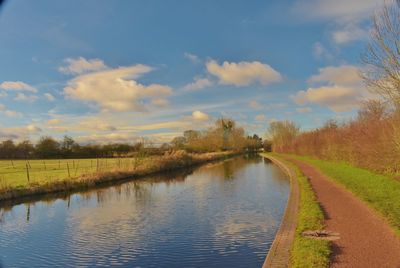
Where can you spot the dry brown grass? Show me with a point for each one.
(372, 143)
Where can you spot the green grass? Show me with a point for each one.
(380, 192)
(306, 252)
(13, 174)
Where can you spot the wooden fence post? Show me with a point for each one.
(69, 175)
(27, 172)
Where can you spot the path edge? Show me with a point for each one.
(279, 253)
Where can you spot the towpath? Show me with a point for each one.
(366, 240)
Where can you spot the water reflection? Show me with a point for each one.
(221, 214)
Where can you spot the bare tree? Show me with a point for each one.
(382, 57)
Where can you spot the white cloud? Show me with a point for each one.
(54, 122)
(96, 124)
(198, 83)
(81, 65)
(17, 86)
(345, 75)
(338, 10)
(337, 87)
(25, 98)
(193, 58)
(33, 128)
(243, 73)
(107, 138)
(160, 102)
(116, 89)
(200, 116)
(49, 97)
(304, 110)
(9, 113)
(349, 17)
(349, 33)
(337, 98)
(255, 105)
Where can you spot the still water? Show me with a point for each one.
(223, 214)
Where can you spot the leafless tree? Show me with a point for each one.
(382, 57)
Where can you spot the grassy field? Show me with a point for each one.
(307, 252)
(380, 192)
(28, 178)
(14, 173)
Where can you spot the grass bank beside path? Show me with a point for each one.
(307, 252)
(380, 192)
(22, 178)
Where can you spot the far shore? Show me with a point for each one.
(168, 162)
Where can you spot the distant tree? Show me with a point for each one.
(7, 149)
(225, 127)
(381, 73)
(282, 133)
(372, 110)
(25, 149)
(267, 145)
(47, 147)
(178, 143)
(66, 146)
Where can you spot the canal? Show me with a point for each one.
(223, 214)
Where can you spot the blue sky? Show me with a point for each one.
(105, 71)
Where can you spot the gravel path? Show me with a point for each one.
(366, 240)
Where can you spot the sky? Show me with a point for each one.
(115, 71)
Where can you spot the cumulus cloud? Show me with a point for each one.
(81, 65)
(337, 98)
(243, 73)
(345, 75)
(198, 83)
(200, 116)
(339, 88)
(49, 97)
(116, 89)
(17, 86)
(25, 98)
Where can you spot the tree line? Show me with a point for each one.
(223, 136)
(372, 139)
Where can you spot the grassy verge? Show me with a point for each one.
(307, 252)
(52, 177)
(380, 192)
